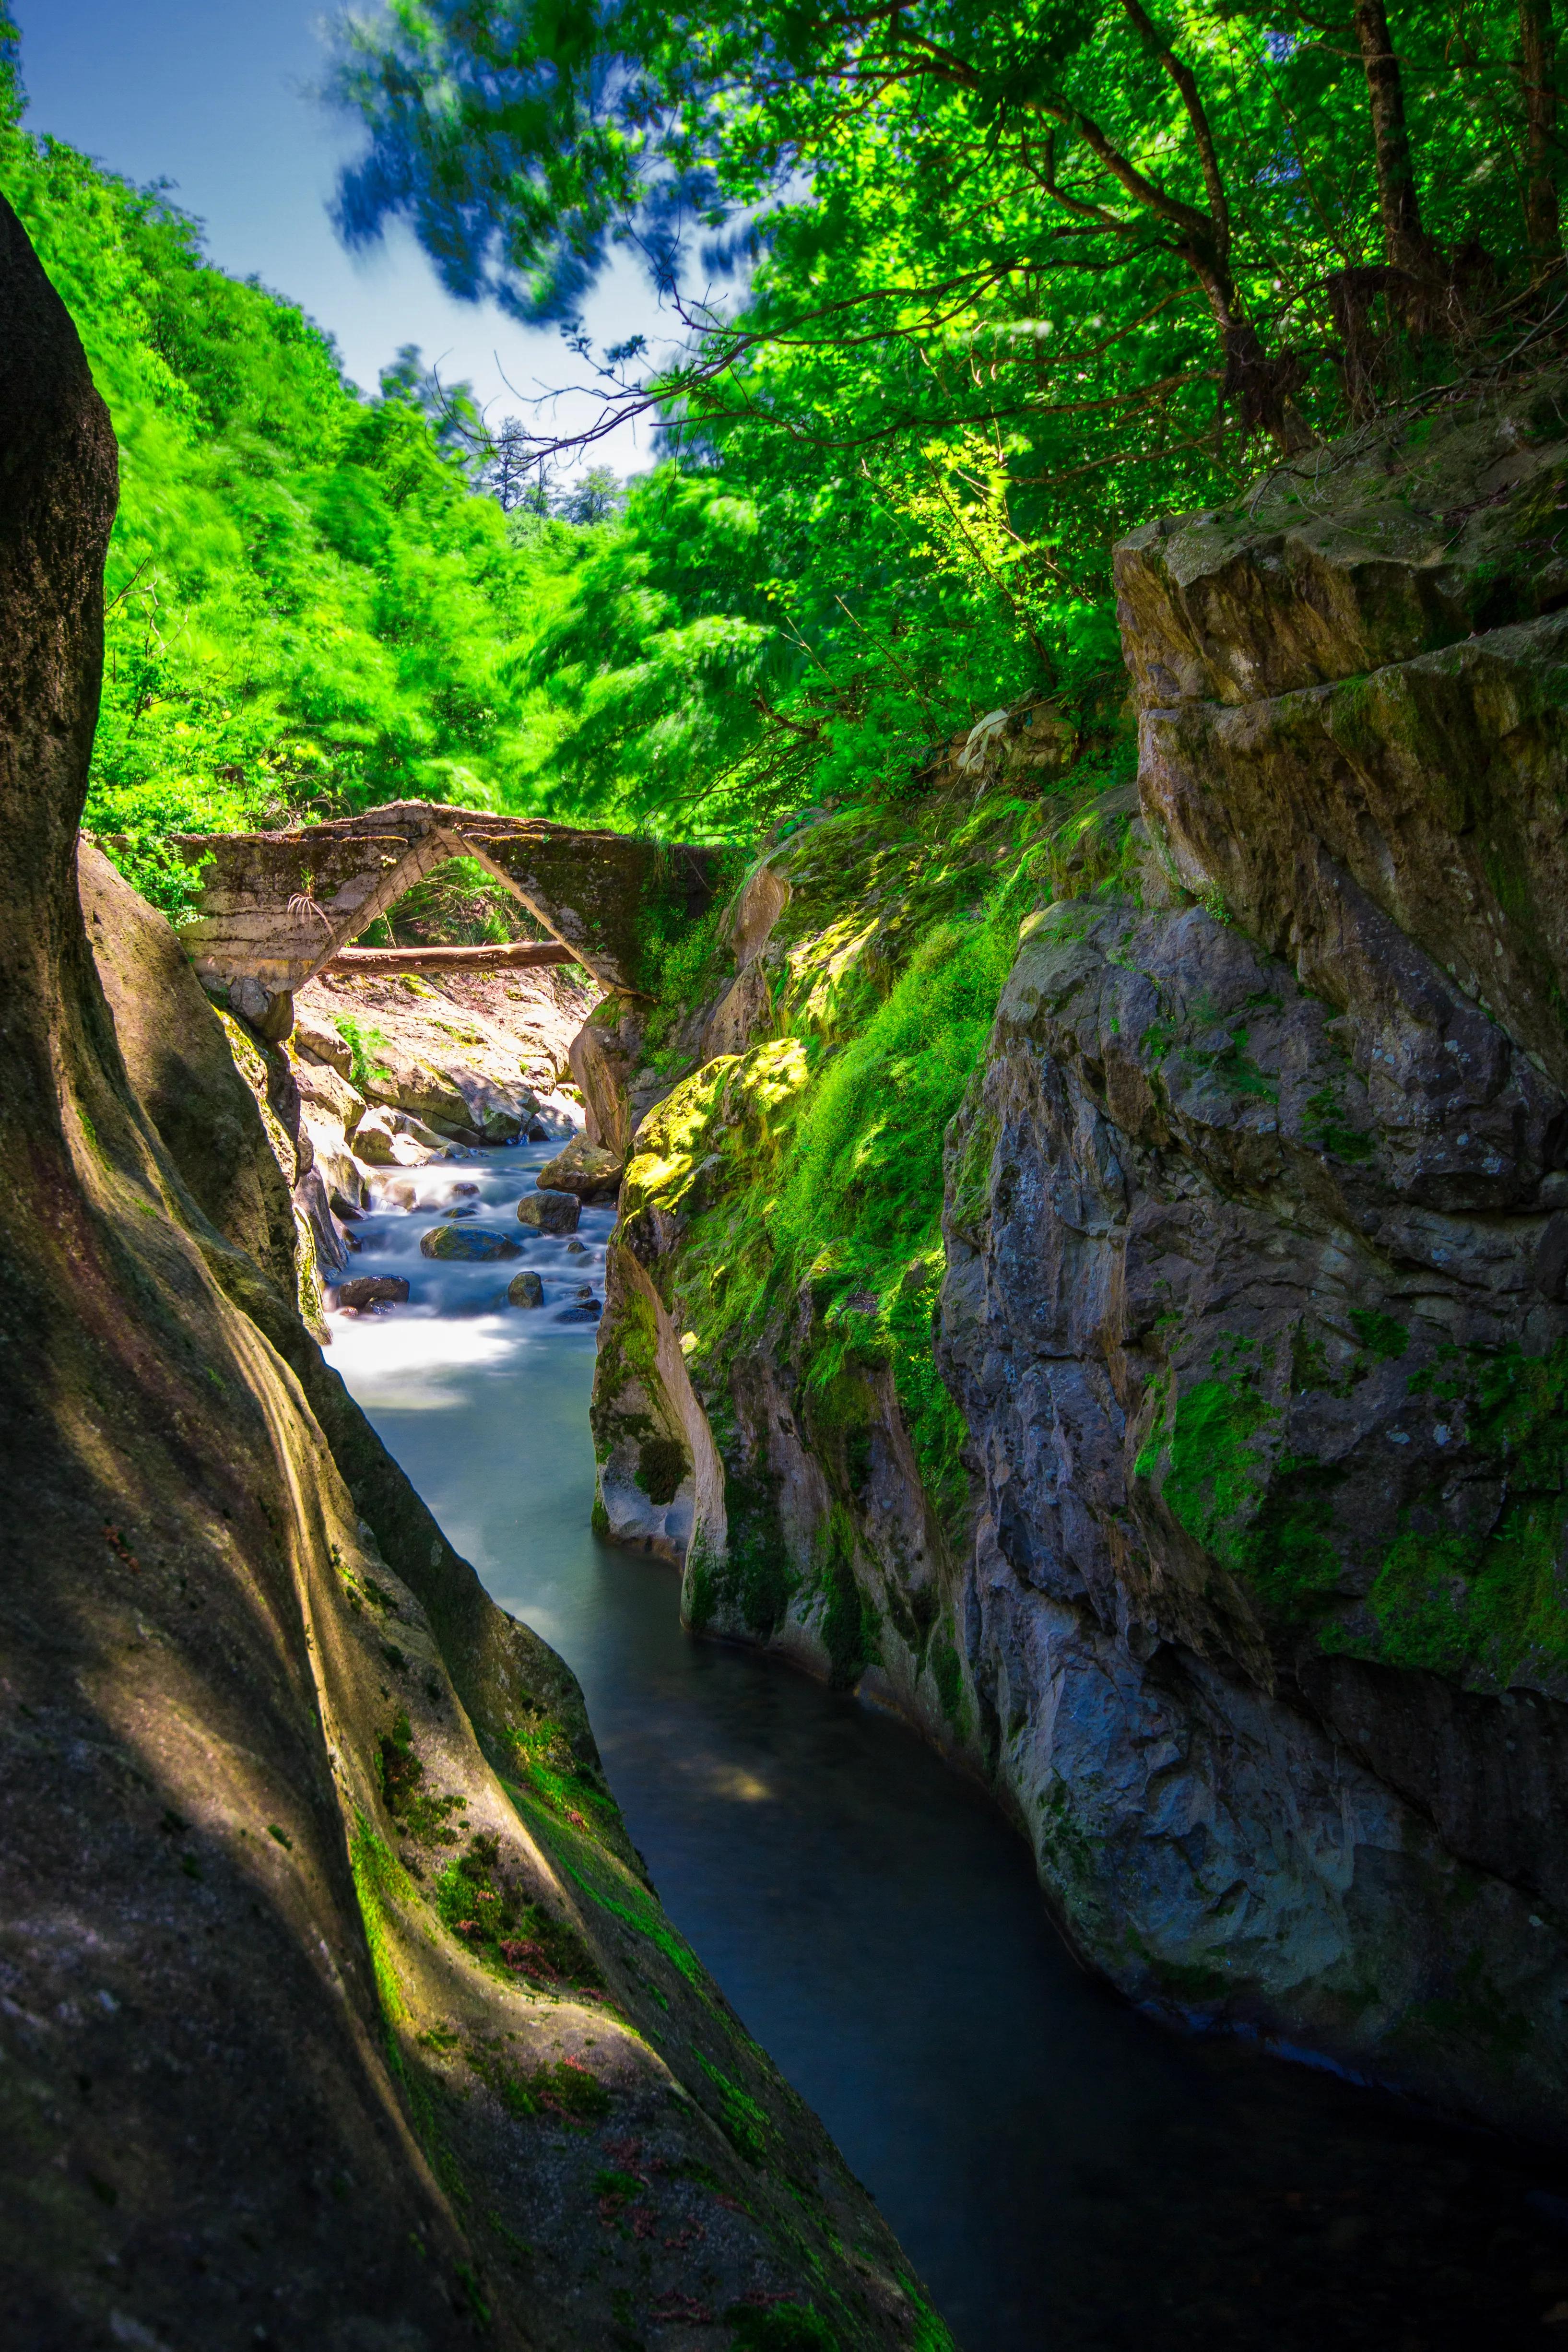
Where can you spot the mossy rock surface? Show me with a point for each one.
(469, 1242)
(586, 1170)
(551, 1213)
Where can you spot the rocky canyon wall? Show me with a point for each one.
(1255, 1217)
(338, 2009)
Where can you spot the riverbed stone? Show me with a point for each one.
(586, 1168)
(549, 1213)
(363, 1290)
(467, 1242)
(526, 1289)
(390, 1139)
(317, 1039)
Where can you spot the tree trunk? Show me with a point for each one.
(514, 955)
(1259, 384)
(1404, 241)
(1537, 76)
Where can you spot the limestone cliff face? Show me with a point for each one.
(333, 1989)
(1256, 1232)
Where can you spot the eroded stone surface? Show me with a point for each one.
(1224, 1297)
(266, 2071)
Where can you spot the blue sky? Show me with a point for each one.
(215, 98)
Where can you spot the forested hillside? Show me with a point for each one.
(309, 608)
(978, 297)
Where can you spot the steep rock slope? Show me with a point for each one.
(337, 2008)
(1252, 1293)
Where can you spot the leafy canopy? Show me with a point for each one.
(984, 289)
(309, 608)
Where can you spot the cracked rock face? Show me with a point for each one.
(1255, 1295)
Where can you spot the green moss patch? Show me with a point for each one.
(566, 2090)
(408, 1801)
(512, 1935)
(1210, 1470)
(780, 2327)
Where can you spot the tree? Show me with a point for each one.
(598, 495)
(509, 467)
(1538, 80)
(1059, 149)
(450, 410)
(958, 295)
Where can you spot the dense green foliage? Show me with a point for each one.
(309, 609)
(1016, 279)
(1007, 284)
(807, 1177)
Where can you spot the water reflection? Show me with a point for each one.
(1064, 2173)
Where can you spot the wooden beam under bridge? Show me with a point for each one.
(514, 955)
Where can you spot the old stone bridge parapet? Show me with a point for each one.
(275, 908)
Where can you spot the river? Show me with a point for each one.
(1063, 2172)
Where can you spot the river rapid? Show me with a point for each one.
(1063, 2172)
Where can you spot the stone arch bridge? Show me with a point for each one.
(275, 908)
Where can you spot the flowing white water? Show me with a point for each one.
(1061, 2171)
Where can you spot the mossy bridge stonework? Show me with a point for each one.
(275, 908)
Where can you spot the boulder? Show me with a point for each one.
(586, 1168)
(330, 1110)
(478, 1242)
(390, 1139)
(525, 1290)
(319, 1226)
(268, 1011)
(348, 1188)
(326, 1095)
(316, 1040)
(549, 1213)
(604, 1055)
(555, 1121)
(363, 1290)
(451, 1081)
